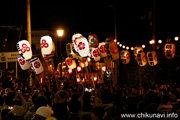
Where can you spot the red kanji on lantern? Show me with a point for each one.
(81, 45)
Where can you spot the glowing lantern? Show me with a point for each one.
(78, 80)
(95, 54)
(70, 71)
(83, 63)
(46, 45)
(69, 50)
(125, 56)
(103, 68)
(93, 40)
(141, 59)
(102, 49)
(79, 68)
(82, 46)
(114, 50)
(137, 50)
(70, 63)
(41, 80)
(25, 65)
(169, 50)
(95, 78)
(74, 38)
(36, 65)
(24, 49)
(152, 58)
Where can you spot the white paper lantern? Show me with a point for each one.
(125, 56)
(114, 50)
(169, 49)
(141, 59)
(36, 65)
(74, 38)
(82, 46)
(95, 54)
(46, 45)
(24, 49)
(102, 49)
(25, 65)
(93, 40)
(152, 58)
(70, 63)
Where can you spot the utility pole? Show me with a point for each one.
(28, 22)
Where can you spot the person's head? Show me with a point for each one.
(74, 106)
(61, 96)
(40, 101)
(9, 98)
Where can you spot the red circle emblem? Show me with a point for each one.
(102, 49)
(36, 64)
(22, 61)
(95, 53)
(69, 62)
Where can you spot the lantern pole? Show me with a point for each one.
(28, 22)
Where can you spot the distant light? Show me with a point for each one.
(60, 32)
(95, 78)
(127, 48)
(103, 68)
(70, 71)
(123, 46)
(89, 59)
(79, 68)
(78, 80)
(152, 41)
(159, 41)
(115, 40)
(176, 38)
(132, 48)
(118, 43)
(143, 46)
(41, 80)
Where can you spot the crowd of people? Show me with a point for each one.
(73, 101)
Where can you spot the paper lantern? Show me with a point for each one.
(70, 63)
(93, 40)
(95, 54)
(36, 65)
(46, 45)
(74, 38)
(83, 63)
(24, 49)
(25, 65)
(136, 51)
(125, 56)
(114, 50)
(169, 50)
(152, 58)
(141, 59)
(102, 49)
(107, 47)
(69, 50)
(49, 57)
(82, 46)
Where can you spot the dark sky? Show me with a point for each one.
(133, 17)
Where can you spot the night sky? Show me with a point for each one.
(133, 18)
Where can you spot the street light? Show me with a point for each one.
(60, 34)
